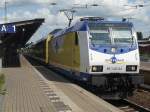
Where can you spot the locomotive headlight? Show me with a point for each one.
(97, 68)
(113, 50)
(131, 68)
(94, 68)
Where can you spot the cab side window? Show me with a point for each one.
(76, 39)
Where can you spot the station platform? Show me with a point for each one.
(28, 91)
(23, 92)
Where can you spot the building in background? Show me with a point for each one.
(144, 46)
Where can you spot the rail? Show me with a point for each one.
(129, 106)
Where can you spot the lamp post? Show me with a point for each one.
(5, 11)
(1, 53)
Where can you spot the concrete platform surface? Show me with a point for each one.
(29, 91)
(24, 93)
(78, 99)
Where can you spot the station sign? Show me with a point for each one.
(9, 28)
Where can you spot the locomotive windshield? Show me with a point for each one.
(100, 36)
(110, 34)
(122, 35)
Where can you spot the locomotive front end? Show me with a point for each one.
(114, 57)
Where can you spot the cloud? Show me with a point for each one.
(54, 19)
(51, 21)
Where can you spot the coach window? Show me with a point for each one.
(76, 39)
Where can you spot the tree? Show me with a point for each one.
(139, 35)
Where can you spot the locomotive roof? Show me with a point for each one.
(44, 38)
(54, 31)
(39, 41)
(82, 26)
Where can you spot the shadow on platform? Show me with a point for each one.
(10, 58)
(48, 73)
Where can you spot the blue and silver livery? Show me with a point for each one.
(99, 52)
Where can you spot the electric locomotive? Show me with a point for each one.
(98, 52)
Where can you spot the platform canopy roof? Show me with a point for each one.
(24, 31)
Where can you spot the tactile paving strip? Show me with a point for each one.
(54, 99)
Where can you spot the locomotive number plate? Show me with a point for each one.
(114, 68)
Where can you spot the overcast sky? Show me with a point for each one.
(19, 10)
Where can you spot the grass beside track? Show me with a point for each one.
(2, 82)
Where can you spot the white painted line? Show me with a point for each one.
(65, 111)
(68, 111)
(53, 96)
(65, 98)
(61, 111)
(54, 101)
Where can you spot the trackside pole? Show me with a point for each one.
(0, 64)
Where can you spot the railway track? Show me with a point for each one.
(128, 106)
(145, 71)
(145, 87)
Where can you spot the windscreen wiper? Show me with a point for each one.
(132, 41)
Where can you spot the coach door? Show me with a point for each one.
(76, 52)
